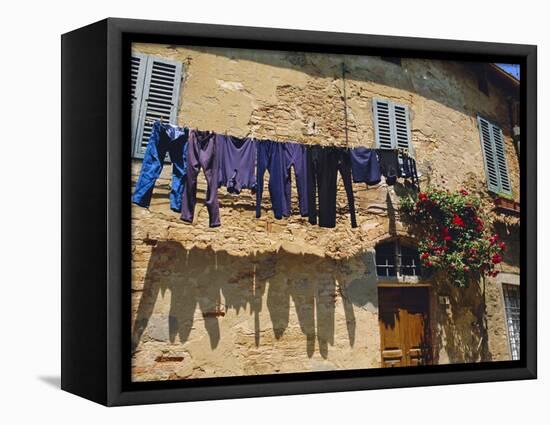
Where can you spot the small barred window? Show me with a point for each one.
(395, 259)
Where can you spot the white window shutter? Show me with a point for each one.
(382, 113)
(502, 165)
(494, 155)
(160, 97)
(402, 127)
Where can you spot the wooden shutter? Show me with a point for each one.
(160, 97)
(494, 156)
(391, 125)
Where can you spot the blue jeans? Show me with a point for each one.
(270, 158)
(164, 138)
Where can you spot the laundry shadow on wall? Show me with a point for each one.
(204, 285)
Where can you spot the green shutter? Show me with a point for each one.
(502, 165)
(161, 88)
(392, 126)
(494, 156)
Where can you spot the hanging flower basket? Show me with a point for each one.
(452, 234)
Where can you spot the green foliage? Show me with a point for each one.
(452, 234)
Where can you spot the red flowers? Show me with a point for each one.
(479, 222)
(457, 221)
(496, 258)
(453, 235)
(445, 234)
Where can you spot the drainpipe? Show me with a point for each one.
(514, 124)
(515, 132)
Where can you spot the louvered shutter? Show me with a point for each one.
(391, 125)
(494, 156)
(159, 99)
(138, 70)
(402, 127)
(382, 124)
(502, 166)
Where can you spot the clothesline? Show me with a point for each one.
(260, 139)
(240, 163)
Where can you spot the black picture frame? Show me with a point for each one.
(96, 210)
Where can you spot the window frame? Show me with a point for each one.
(398, 244)
(513, 338)
(511, 280)
(393, 124)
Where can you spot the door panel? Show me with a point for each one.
(392, 353)
(404, 326)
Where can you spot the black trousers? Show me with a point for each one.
(389, 165)
(323, 165)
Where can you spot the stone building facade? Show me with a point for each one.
(263, 296)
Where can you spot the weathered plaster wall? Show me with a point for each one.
(264, 296)
(210, 313)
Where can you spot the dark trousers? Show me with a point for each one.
(389, 165)
(323, 166)
(270, 158)
(201, 154)
(408, 170)
(295, 155)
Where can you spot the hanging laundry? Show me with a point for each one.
(389, 165)
(295, 155)
(237, 160)
(202, 153)
(365, 167)
(270, 158)
(323, 165)
(408, 169)
(164, 138)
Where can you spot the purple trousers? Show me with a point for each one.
(201, 153)
(295, 155)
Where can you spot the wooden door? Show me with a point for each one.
(404, 326)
